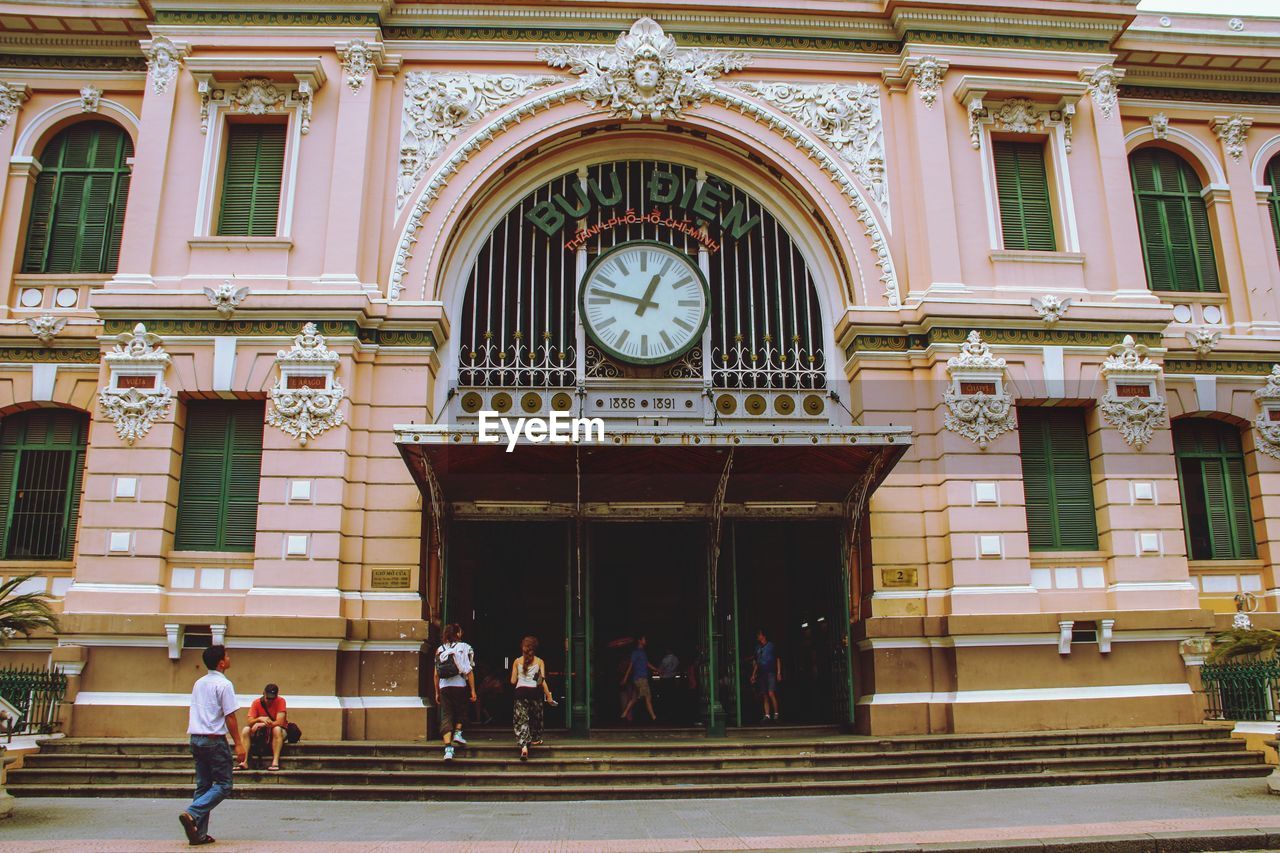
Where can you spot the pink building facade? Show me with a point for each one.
(979, 415)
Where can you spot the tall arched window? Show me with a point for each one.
(1173, 221)
(1215, 490)
(1273, 199)
(41, 474)
(77, 211)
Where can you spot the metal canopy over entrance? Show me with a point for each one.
(714, 477)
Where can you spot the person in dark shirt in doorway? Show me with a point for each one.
(766, 672)
(638, 674)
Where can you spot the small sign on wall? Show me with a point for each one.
(899, 577)
(295, 382)
(390, 578)
(125, 381)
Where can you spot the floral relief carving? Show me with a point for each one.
(1050, 308)
(357, 62)
(846, 117)
(12, 98)
(226, 299)
(1160, 126)
(1268, 430)
(438, 106)
(1135, 415)
(644, 75)
(308, 410)
(163, 60)
(133, 409)
(1103, 88)
(46, 327)
(1017, 115)
(1232, 130)
(90, 98)
(257, 96)
(983, 414)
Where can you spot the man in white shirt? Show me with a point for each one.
(213, 717)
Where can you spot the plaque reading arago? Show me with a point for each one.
(390, 578)
(898, 577)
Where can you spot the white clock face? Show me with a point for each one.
(644, 303)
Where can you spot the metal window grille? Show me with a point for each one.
(1242, 690)
(37, 694)
(38, 525)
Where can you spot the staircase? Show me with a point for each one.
(750, 763)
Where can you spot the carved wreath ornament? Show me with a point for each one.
(133, 406)
(1132, 404)
(313, 404)
(1268, 430)
(978, 407)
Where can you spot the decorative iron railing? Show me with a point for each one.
(1246, 690)
(37, 694)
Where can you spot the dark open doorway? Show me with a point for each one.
(647, 578)
(507, 579)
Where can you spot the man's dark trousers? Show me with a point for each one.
(213, 777)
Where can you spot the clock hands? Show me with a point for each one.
(642, 303)
(645, 303)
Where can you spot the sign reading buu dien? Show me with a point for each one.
(691, 208)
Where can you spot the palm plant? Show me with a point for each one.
(1245, 642)
(26, 613)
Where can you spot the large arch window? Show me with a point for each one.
(77, 211)
(1215, 490)
(1174, 223)
(1273, 199)
(41, 474)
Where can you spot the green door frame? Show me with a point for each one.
(735, 628)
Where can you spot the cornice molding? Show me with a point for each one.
(906, 19)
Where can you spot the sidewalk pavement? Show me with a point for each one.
(1211, 815)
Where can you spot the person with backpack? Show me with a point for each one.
(455, 687)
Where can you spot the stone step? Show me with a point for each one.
(479, 773)
(522, 791)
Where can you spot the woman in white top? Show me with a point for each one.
(455, 687)
(529, 675)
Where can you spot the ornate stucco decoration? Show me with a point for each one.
(255, 96)
(978, 406)
(846, 117)
(358, 60)
(163, 60)
(1231, 130)
(1103, 87)
(1050, 308)
(929, 72)
(438, 106)
(46, 327)
(12, 97)
(226, 299)
(644, 75)
(1019, 115)
(136, 396)
(90, 98)
(1267, 424)
(1160, 126)
(1132, 403)
(1203, 340)
(306, 400)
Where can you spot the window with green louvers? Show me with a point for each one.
(41, 476)
(1057, 480)
(77, 206)
(252, 175)
(1022, 187)
(221, 467)
(1173, 222)
(1273, 199)
(1215, 490)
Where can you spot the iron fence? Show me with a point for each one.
(1246, 690)
(37, 694)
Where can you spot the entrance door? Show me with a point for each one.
(790, 584)
(507, 579)
(647, 579)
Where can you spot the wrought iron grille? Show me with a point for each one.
(520, 310)
(37, 694)
(1242, 690)
(42, 456)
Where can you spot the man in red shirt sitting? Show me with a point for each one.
(267, 722)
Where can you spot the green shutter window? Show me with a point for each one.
(1057, 480)
(222, 463)
(221, 467)
(251, 179)
(1273, 199)
(1173, 223)
(41, 474)
(77, 207)
(1215, 490)
(1022, 186)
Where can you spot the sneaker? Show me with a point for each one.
(458, 739)
(448, 753)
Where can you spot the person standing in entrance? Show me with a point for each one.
(766, 672)
(638, 674)
(529, 675)
(455, 687)
(212, 718)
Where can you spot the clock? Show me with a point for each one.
(644, 302)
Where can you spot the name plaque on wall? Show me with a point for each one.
(390, 578)
(899, 577)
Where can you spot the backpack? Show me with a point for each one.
(446, 665)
